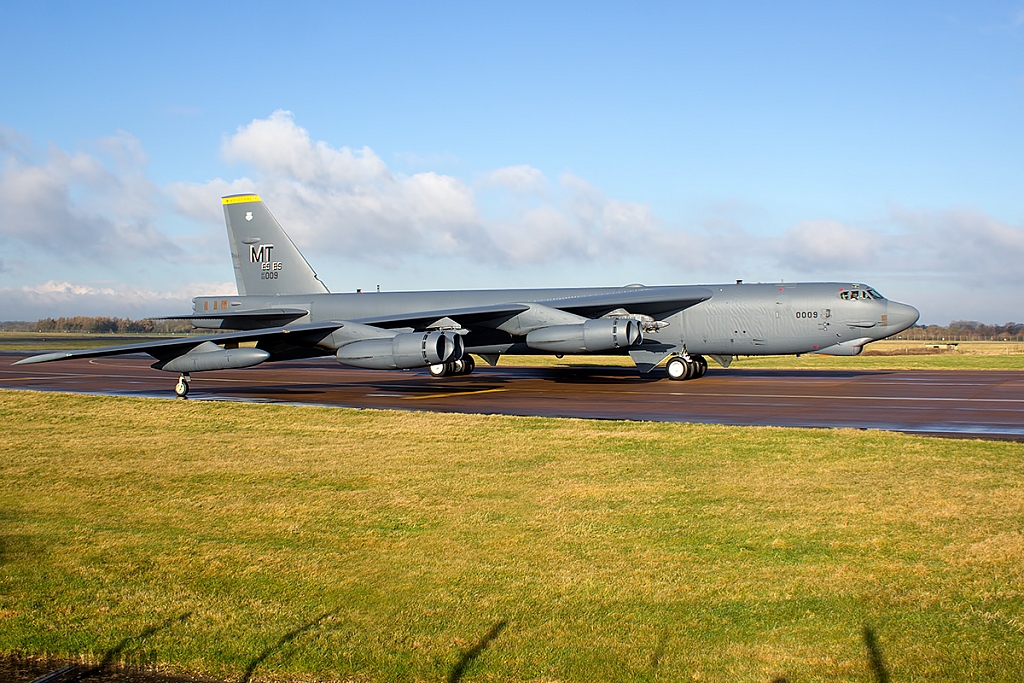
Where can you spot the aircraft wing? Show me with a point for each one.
(284, 340)
(172, 348)
(466, 317)
(657, 302)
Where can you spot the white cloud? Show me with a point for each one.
(339, 200)
(961, 242)
(823, 244)
(76, 206)
(280, 148)
(56, 298)
(517, 178)
(201, 201)
(350, 203)
(957, 247)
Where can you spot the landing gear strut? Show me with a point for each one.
(686, 367)
(463, 366)
(181, 388)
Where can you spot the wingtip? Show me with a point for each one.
(42, 358)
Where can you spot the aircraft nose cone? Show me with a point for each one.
(901, 316)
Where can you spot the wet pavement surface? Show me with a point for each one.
(19, 670)
(977, 404)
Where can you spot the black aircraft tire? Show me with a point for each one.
(181, 388)
(468, 364)
(702, 365)
(677, 369)
(438, 369)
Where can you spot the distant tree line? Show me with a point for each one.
(99, 325)
(966, 330)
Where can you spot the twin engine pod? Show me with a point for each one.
(603, 334)
(405, 350)
(209, 356)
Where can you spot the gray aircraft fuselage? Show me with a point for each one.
(734, 319)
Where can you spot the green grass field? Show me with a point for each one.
(292, 543)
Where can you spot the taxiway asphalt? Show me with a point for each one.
(979, 404)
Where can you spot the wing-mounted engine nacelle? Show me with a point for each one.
(604, 334)
(405, 350)
(209, 356)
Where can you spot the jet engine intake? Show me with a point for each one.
(405, 350)
(209, 356)
(603, 334)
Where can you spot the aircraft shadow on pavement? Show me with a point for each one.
(602, 376)
(292, 391)
(770, 373)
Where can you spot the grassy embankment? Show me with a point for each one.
(385, 546)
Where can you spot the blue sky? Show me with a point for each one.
(483, 145)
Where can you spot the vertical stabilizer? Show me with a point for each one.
(266, 260)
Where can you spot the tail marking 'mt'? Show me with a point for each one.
(266, 261)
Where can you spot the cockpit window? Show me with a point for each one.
(854, 294)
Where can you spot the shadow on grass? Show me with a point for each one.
(281, 642)
(459, 670)
(15, 547)
(659, 649)
(875, 662)
(72, 673)
(875, 656)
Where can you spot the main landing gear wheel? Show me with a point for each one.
(681, 368)
(468, 364)
(181, 388)
(702, 365)
(463, 366)
(677, 368)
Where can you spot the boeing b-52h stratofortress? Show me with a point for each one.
(287, 311)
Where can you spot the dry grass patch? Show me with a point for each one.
(389, 544)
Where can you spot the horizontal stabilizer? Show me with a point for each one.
(246, 320)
